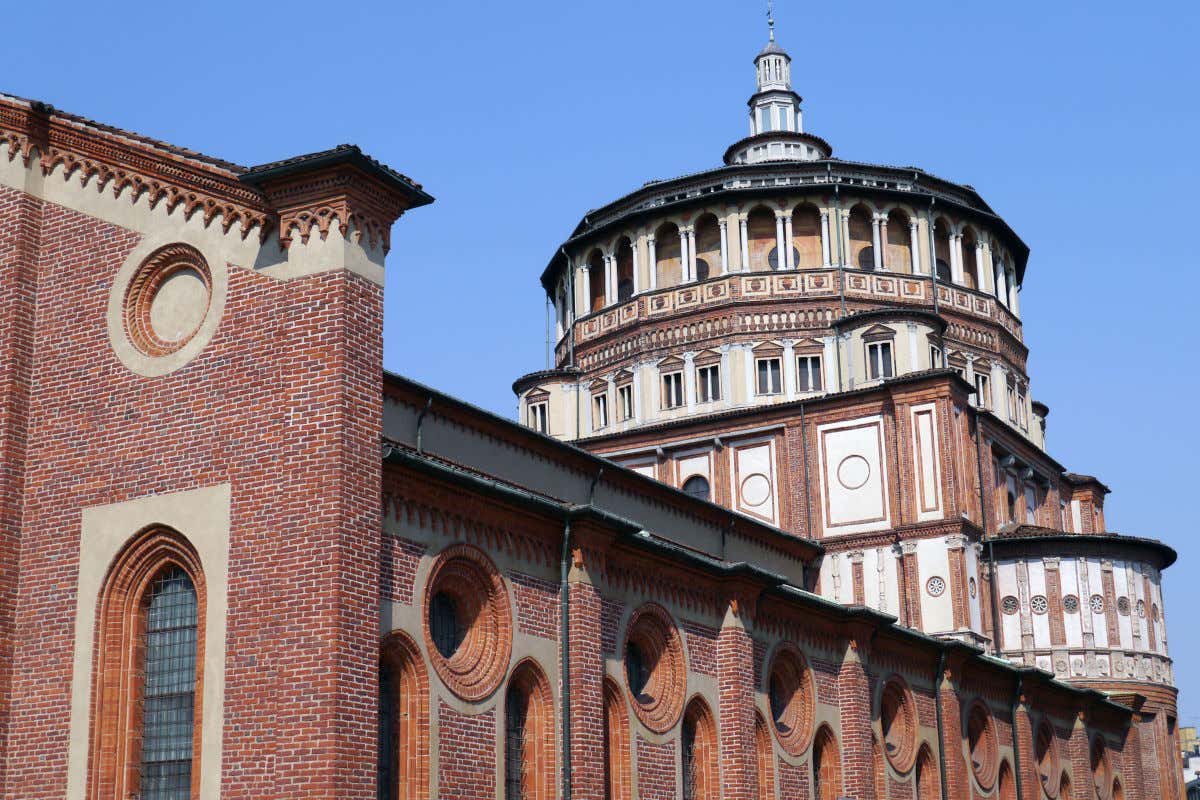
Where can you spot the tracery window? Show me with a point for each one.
(146, 708)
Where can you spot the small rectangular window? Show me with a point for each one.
(625, 398)
(879, 361)
(599, 411)
(1022, 417)
(538, 417)
(1012, 403)
(808, 374)
(672, 390)
(770, 377)
(708, 383)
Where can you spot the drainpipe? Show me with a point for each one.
(937, 705)
(1015, 741)
(572, 313)
(421, 420)
(933, 278)
(983, 524)
(564, 666)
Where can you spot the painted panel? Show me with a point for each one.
(933, 560)
(1072, 623)
(1121, 589)
(881, 583)
(1040, 622)
(695, 463)
(926, 466)
(1010, 624)
(753, 482)
(974, 607)
(853, 478)
(1095, 581)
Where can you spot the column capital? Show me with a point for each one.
(722, 223)
(649, 240)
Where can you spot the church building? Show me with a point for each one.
(780, 523)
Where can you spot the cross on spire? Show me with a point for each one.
(771, 19)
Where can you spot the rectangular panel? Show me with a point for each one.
(925, 463)
(753, 483)
(933, 561)
(853, 479)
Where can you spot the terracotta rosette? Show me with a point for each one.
(792, 698)
(656, 636)
(898, 724)
(156, 270)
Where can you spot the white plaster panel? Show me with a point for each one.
(926, 463)
(1072, 624)
(1096, 583)
(753, 482)
(202, 517)
(881, 586)
(853, 477)
(937, 613)
(1010, 624)
(974, 607)
(1121, 589)
(694, 463)
(1039, 622)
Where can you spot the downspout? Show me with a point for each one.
(1015, 740)
(572, 313)
(421, 420)
(564, 665)
(941, 736)
(983, 524)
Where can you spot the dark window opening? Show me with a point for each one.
(697, 486)
(444, 625)
(516, 717)
(389, 699)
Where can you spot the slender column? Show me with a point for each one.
(585, 284)
(979, 268)
(825, 239)
(724, 247)
(914, 246)
(787, 242)
(745, 243)
(789, 368)
(692, 254)
(956, 260)
(1002, 284)
(610, 279)
(780, 259)
(684, 260)
(689, 381)
(637, 266)
(844, 222)
(883, 239)
(875, 242)
(652, 262)
(1013, 303)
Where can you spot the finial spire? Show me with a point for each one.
(771, 18)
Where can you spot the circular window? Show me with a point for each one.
(1071, 604)
(1009, 605)
(981, 745)
(973, 587)
(935, 586)
(468, 623)
(1096, 603)
(1045, 752)
(790, 691)
(898, 724)
(1141, 608)
(1123, 606)
(654, 667)
(697, 486)
(1038, 604)
(167, 299)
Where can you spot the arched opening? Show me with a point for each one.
(624, 270)
(708, 247)
(668, 263)
(981, 745)
(1118, 793)
(403, 721)
(528, 735)
(146, 707)
(697, 486)
(698, 748)
(826, 766)
(596, 280)
(1064, 787)
(941, 250)
(806, 236)
(617, 780)
(925, 777)
(862, 243)
(760, 233)
(970, 261)
(1006, 788)
(898, 723)
(766, 758)
(899, 242)
(1045, 754)
(1101, 770)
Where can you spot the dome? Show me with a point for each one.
(773, 49)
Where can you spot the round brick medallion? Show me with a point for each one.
(1071, 604)
(467, 622)
(167, 299)
(898, 724)
(1010, 604)
(654, 667)
(1045, 753)
(791, 695)
(982, 746)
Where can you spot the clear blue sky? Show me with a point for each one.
(1077, 122)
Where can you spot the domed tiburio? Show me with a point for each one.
(835, 348)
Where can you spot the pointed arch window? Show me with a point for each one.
(146, 691)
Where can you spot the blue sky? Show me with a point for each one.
(1076, 122)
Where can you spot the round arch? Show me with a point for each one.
(761, 238)
(708, 246)
(698, 750)
(668, 258)
(529, 752)
(806, 236)
(826, 765)
(404, 720)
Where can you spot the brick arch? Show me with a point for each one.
(401, 664)
(766, 757)
(114, 766)
(529, 696)
(925, 778)
(826, 765)
(698, 751)
(618, 781)
(1006, 788)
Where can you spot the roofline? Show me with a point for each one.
(349, 155)
(1165, 553)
